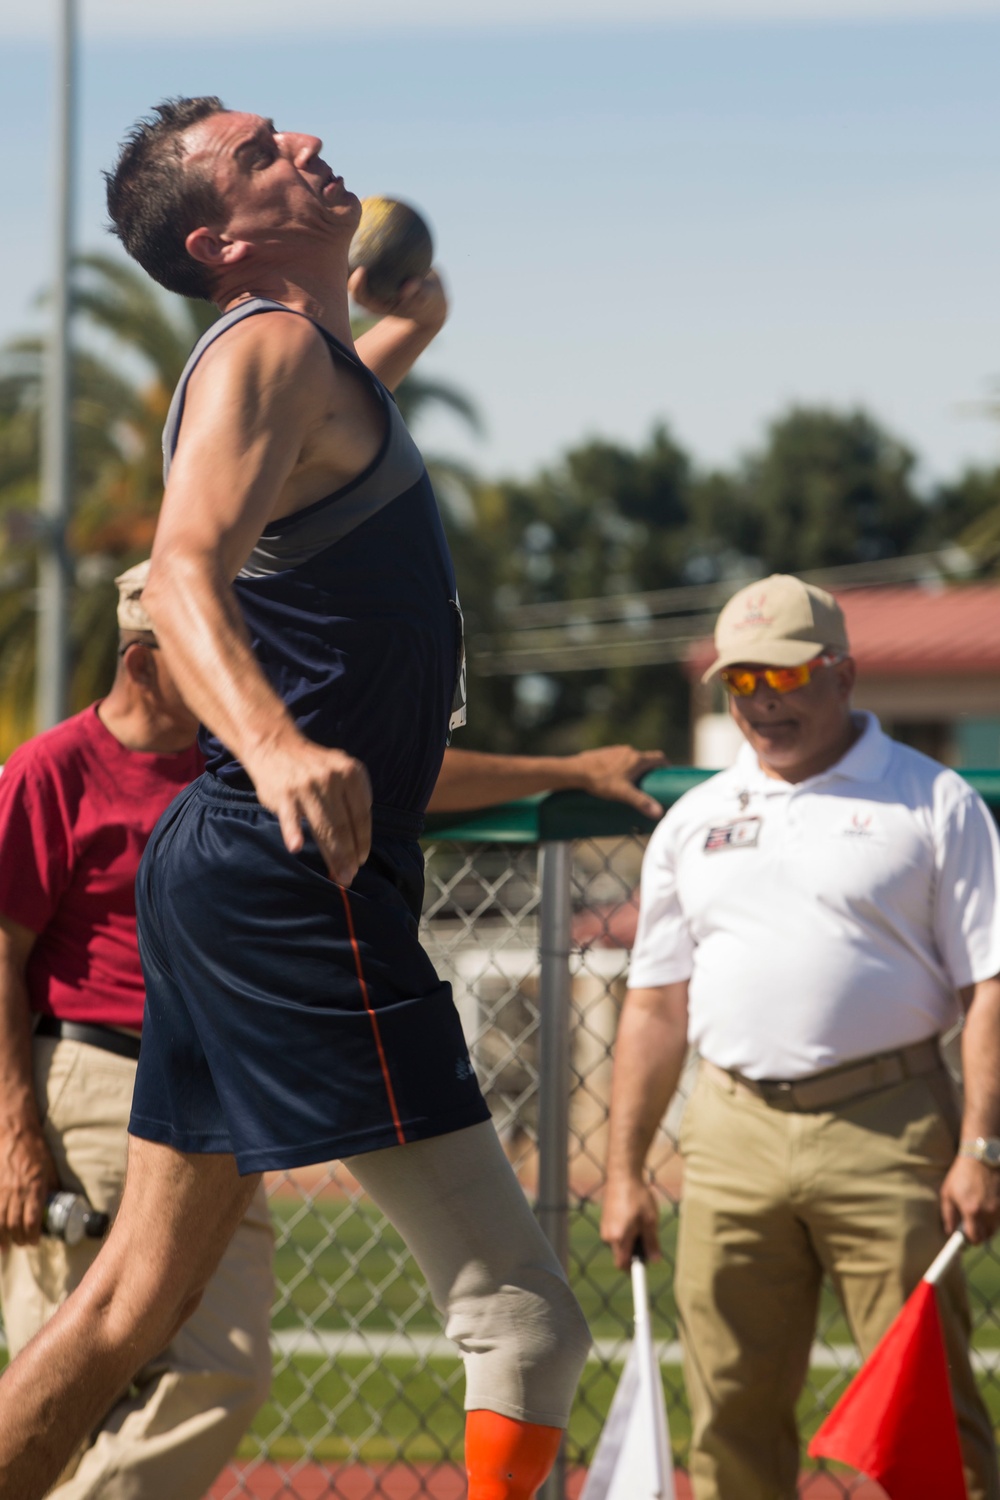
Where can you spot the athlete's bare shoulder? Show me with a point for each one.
(266, 354)
(271, 379)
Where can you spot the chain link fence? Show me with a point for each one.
(530, 912)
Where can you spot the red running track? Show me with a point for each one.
(430, 1482)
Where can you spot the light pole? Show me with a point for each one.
(52, 653)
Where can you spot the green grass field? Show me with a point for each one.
(348, 1273)
(341, 1266)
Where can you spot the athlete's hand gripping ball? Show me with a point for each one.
(393, 246)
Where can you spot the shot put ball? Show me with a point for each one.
(393, 244)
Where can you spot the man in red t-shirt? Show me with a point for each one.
(77, 806)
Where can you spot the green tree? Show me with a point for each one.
(827, 489)
(606, 520)
(130, 346)
(966, 511)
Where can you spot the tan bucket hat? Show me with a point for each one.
(130, 584)
(778, 622)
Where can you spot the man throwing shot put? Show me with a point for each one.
(810, 921)
(303, 596)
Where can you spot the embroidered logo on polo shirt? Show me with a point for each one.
(860, 826)
(741, 833)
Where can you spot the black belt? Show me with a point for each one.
(90, 1034)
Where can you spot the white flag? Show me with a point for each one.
(633, 1460)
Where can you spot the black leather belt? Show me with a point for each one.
(91, 1035)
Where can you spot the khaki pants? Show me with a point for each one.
(184, 1414)
(772, 1200)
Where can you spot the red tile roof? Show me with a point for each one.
(914, 631)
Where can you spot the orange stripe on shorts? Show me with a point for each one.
(400, 1135)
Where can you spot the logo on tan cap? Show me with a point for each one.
(130, 584)
(779, 622)
(754, 615)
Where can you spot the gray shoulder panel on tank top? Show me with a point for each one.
(295, 539)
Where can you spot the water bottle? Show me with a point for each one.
(70, 1218)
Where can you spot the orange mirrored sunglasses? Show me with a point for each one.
(742, 681)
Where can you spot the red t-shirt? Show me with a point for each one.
(76, 812)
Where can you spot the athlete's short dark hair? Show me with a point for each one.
(155, 199)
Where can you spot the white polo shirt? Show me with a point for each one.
(825, 920)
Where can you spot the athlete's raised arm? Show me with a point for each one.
(257, 406)
(405, 328)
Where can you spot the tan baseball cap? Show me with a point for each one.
(779, 622)
(130, 584)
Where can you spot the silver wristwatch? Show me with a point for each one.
(985, 1148)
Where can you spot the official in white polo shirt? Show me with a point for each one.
(811, 921)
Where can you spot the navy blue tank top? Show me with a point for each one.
(352, 608)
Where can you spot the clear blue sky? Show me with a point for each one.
(692, 222)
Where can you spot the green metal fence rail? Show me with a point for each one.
(572, 815)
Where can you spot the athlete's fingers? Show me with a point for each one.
(327, 816)
(348, 802)
(330, 842)
(354, 818)
(357, 286)
(289, 815)
(357, 282)
(358, 796)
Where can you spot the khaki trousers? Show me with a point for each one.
(774, 1199)
(184, 1414)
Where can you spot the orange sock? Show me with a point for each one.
(507, 1460)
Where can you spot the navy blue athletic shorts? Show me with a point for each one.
(288, 1020)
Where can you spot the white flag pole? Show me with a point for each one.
(939, 1266)
(633, 1460)
(649, 1376)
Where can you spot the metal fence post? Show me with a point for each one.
(55, 497)
(555, 864)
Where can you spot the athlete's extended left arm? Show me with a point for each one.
(970, 1194)
(405, 327)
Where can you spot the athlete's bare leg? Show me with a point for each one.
(178, 1213)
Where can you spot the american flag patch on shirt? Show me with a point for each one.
(742, 833)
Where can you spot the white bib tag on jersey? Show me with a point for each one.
(459, 702)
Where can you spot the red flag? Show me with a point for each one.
(896, 1421)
